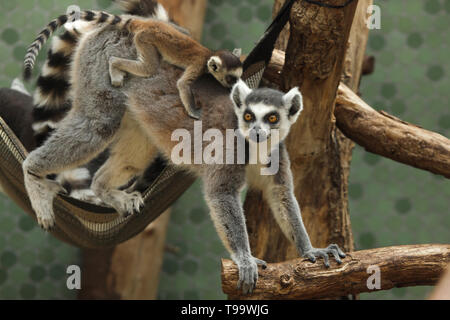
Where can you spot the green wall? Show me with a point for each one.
(390, 204)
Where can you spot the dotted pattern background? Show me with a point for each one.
(390, 204)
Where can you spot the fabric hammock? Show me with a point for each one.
(80, 223)
(90, 226)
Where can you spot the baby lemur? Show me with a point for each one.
(151, 36)
(139, 119)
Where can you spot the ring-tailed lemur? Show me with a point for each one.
(149, 35)
(51, 96)
(141, 117)
(52, 99)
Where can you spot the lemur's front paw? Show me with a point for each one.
(248, 273)
(117, 79)
(117, 76)
(333, 249)
(41, 192)
(46, 217)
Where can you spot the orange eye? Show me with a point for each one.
(273, 118)
(248, 117)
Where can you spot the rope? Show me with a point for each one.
(321, 4)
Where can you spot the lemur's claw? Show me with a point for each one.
(195, 113)
(332, 249)
(261, 263)
(46, 223)
(129, 203)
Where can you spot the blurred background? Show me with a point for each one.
(390, 204)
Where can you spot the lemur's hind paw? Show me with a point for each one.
(332, 249)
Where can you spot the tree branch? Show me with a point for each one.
(379, 132)
(400, 266)
(383, 134)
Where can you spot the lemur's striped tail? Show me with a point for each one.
(98, 17)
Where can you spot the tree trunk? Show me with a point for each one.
(188, 14)
(317, 57)
(131, 270)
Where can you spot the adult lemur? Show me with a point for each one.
(52, 100)
(152, 36)
(138, 119)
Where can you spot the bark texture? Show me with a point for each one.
(399, 266)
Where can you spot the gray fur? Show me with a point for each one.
(267, 96)
(102, 115)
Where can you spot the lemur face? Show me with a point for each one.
(260, 111)
(226, 67)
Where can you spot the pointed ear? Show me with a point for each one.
(293, 101)
(239, 93)
(237, 52)
(214, 64)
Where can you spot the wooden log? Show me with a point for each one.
(390, 137)
(399, 266)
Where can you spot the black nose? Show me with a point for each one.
(231, 80)
(258, 135)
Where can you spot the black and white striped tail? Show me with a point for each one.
(33, 49)
(97, 16)
(51, 96)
